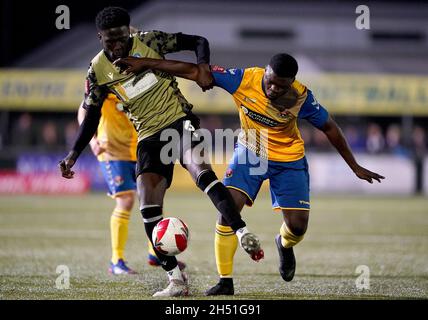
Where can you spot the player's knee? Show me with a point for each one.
(289, 237)
(151, 190)
(299, 229)
(297, 221)
(196, 169)
(125, 201)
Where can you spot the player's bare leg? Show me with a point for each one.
(207, 181)
(225, 248)
(151, 189)
(291, 233)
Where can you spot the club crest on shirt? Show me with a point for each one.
(285, 114)
(229, 173)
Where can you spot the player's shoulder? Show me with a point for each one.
(96, 62)
(227, 78)
(299, 87)
(230, 71)
(151, 35)
(97, 58)
(254, 70)
(251, 73)
(250, 76)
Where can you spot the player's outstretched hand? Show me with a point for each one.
(130, 65)
(367, 175)
(66, 164)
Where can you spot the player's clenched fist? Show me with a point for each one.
(66, 164)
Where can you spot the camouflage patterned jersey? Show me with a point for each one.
(151, 99)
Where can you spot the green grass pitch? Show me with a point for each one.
(389, 235)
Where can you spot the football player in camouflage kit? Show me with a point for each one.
(154, 104)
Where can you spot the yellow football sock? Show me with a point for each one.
(288, 239)
(225, 244)
(119, 233)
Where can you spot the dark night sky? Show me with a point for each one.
(25, 24)
(28, 24)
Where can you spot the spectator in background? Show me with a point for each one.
(355, 138)
(393, 141)
(419, 141)
(70, 133)
(320, 141)
(49, 137)
(375, 142)
(419, 148)
(23, 132)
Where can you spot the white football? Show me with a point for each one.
(170, 236)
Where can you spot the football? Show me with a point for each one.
(170, 236)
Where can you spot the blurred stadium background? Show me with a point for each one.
(374, 82)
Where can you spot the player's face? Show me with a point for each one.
(115, 42)
(275, 86)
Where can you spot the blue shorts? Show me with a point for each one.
(289, 181)
(119, 175)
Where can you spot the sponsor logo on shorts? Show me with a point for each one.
(229, 173)
(304, 202)
(118, 180)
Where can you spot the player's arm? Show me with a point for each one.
(180, 69)
(228, 79)
(165, 43)
(338, 140)
(94, 98)
(201, 47)
(312, 111)
(95, 145)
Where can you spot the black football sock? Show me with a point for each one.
(222, 199)
(151, 216)
(226, 281)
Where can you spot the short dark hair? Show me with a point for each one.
(112, 17)
(284, 65)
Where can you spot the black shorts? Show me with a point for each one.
(157, 156)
